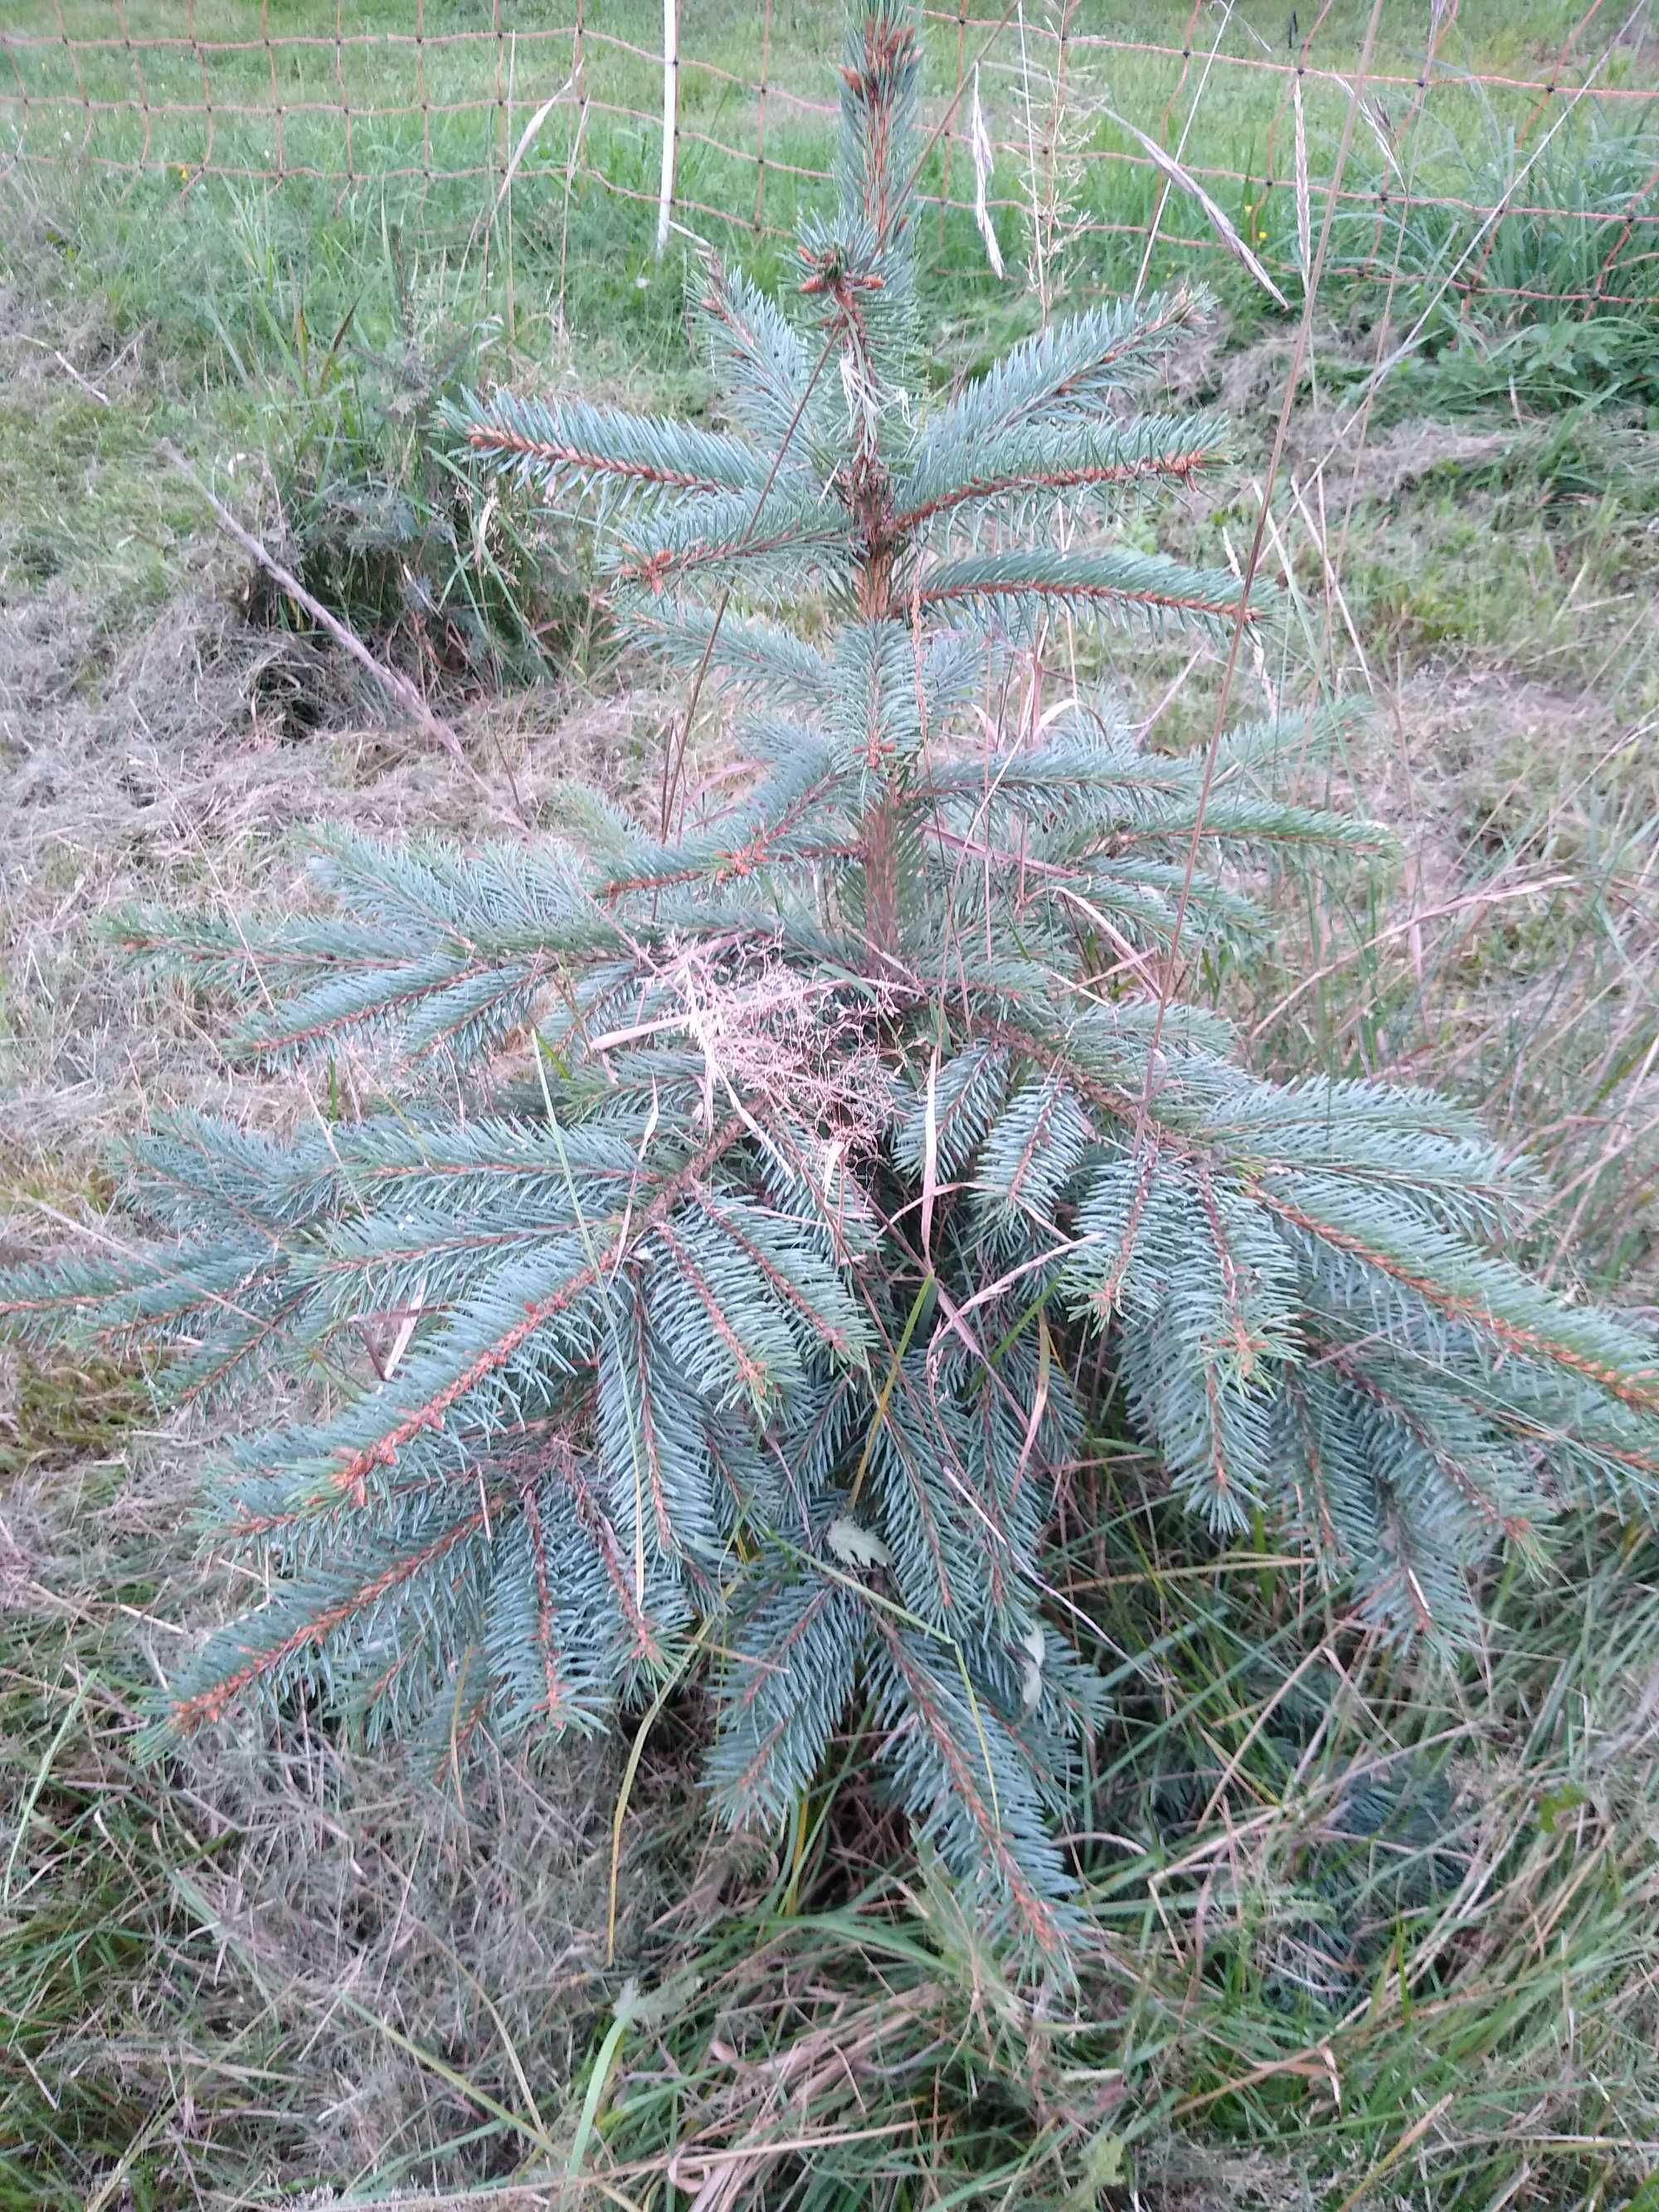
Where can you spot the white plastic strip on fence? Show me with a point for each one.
(670, 117)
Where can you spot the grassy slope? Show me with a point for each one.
(1372, 1935)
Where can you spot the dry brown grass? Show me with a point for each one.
(282, 1954)
(278, 1953)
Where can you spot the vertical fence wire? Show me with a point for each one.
(955, 110)
(340, 86)
(72, 48)
(578, 85)
(671, 118)
(207, 90)
(759, 119)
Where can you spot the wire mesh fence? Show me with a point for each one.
(1063, 127)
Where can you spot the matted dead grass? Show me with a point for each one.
(316, 1958)
(284, 1953)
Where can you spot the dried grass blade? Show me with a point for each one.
(527, 138)
(1188, 183)
(1303, 216)
(979, 142)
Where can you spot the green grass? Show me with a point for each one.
(316, 326)
(591, 246)
(79, 488)
(1371, 1931)
(1356, 1918)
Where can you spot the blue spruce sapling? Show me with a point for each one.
(766, 1206)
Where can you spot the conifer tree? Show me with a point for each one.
(767, 1207)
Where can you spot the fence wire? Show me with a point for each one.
(1531, 188)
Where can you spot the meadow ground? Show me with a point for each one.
(1379, 1931)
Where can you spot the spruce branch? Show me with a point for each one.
(1015, 592)
(569, 449)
